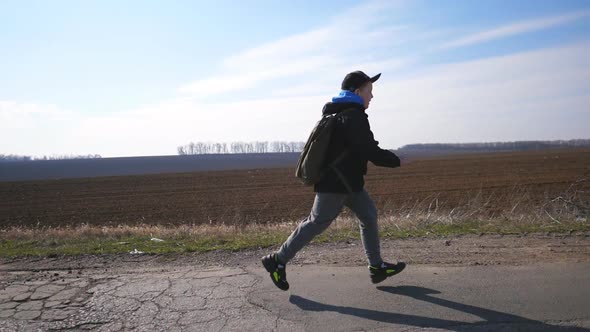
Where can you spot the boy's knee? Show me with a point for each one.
(322, 222)
(370, 219)
(321, 219)
(372, 214)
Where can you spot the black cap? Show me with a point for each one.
(356, 79)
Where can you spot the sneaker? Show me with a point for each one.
(385, 270)
(276, 270)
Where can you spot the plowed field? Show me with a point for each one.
(495, 182)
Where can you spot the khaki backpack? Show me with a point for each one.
(311, 164)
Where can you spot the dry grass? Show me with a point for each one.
(86, 231)
(524, 209)
(429, 216)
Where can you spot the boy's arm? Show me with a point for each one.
(362, 142)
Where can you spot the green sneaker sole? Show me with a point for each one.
(269, 265)
(380, 276)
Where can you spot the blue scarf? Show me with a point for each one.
(346, 96)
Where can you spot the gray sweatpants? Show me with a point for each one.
(326, 207)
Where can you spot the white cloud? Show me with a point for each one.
(275, 52)
(10, 107)
(21, 116)
(347, 41)
(540, 94)
(159, 129)
(517, 28)
(36, 129)
(251, 78)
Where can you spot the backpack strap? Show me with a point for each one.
(342, 178)
(340, 158)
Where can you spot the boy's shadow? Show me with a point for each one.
(424, 294)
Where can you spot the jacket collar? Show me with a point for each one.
(333, 108)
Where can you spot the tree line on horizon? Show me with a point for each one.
(195, 148)
(497, 146)
(290, 147)
(198, 148)
(14, 157)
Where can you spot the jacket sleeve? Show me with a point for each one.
(362, 142)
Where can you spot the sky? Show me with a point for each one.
(136, 78)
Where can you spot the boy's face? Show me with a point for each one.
(366, 92)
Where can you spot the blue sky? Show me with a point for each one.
(127, 78)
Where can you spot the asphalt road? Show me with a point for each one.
(472, 298)
(539, 297)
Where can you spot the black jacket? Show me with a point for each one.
(353, 134)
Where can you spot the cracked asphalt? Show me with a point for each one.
(150, 294)
(212, 299)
